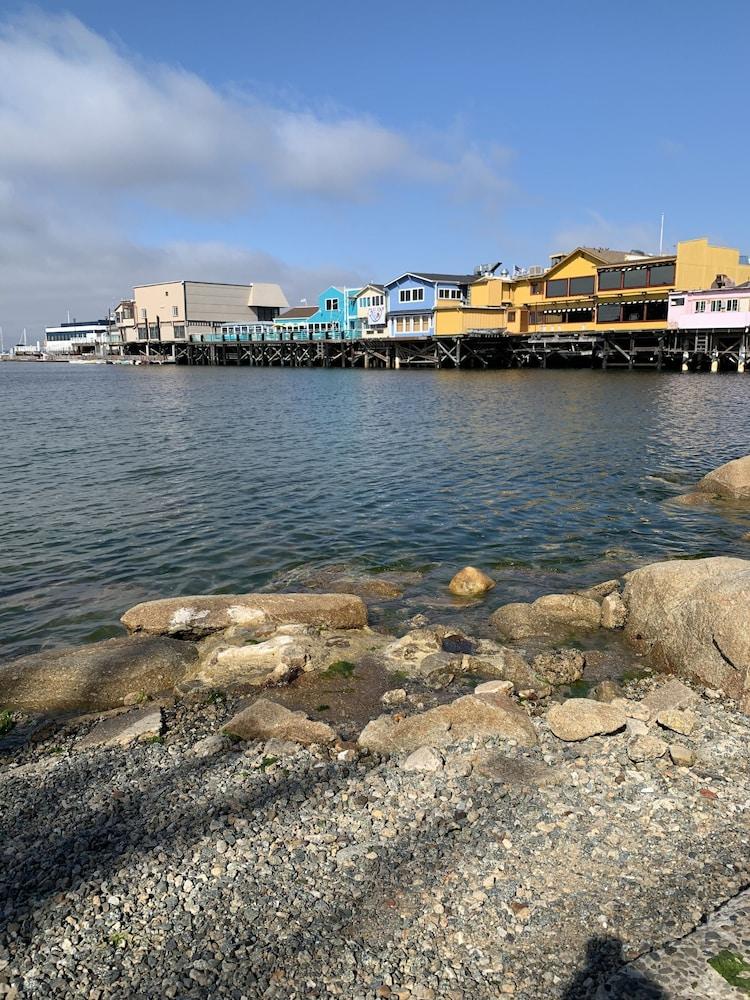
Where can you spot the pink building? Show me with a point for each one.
(711, 309)
(714, 322)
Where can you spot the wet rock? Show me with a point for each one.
(673, 694)
(120, 731)
(408, 652)
(689, 616)
(731, 480)
(265, 719)
(470, 716)
(580, 718)
(681, 755)
(96, 676)
(547, 615)
(683, 722)
(614, 612)
(470, 582)
(570, 610)
(195, 617)
(457, 642)
(425, 760)
(606, 691)
(343, 578)
(600, 590)
(645, 747)
(560, 666)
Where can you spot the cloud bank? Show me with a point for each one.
(92, 138)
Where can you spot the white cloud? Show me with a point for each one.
(91, 134)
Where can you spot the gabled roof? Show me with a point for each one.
(371, 284)
(433, 278)
(605, 255)
(299, 312)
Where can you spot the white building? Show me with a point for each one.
(78, 338)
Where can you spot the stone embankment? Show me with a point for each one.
(267, 798)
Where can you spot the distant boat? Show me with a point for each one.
(88, 361)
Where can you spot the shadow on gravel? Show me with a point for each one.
(604, 957)
(81, 825)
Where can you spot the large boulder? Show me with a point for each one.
(731, 480)
(470, 582)
(196, 617)
(266, 720)
(691, 617)
(468, 717)
(552, 614)
(97, 676)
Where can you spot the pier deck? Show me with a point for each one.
(657, 349)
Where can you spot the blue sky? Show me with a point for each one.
(314, 142)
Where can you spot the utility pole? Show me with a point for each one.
(661, 235)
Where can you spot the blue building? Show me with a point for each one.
(411, 300)
(334, 317)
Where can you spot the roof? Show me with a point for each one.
(371, 284)
(457, 279)
(299, 312)
(606, 255)
(264, 293)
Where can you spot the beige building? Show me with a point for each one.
(174, 311)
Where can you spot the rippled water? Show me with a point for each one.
(122, 484)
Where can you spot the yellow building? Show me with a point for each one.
(592, 290)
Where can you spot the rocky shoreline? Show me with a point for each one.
(262, 796)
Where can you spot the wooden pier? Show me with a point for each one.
(710, 351)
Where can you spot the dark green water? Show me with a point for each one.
(123, 484)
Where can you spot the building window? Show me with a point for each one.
(512, 316)
(411, 295)
(661, 274)
(557, 287)
(608, 312)
(143, 313)
(536, 288)
(142, 333)
(609, 280)
(678, 301)
(332, 305)
(153, 331)
(582, 286)
(733, 305)
(700, 306)
(179, 331)
(449, 293)
(632, 312)
(717, 305)
(174, 310)
(657, 310)
(636, 277)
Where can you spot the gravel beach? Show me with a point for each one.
(191, 865)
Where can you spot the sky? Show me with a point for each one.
(335, 142)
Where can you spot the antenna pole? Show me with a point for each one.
(661, 235)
